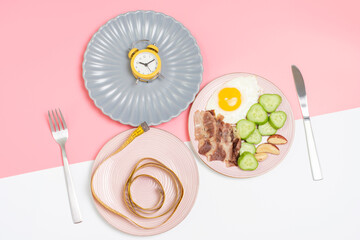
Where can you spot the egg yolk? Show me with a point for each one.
(229, 99)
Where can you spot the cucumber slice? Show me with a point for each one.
(270, 102)
(244, 128)
(257, 114)
(255, 137)
(266, 129)
(247, 147)
(277, 119)
(247, 162)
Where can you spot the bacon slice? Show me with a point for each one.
(216, 138)
(205, 132)
(236, 150)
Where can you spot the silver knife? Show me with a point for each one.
(314, 159)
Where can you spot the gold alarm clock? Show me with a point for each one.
(146, 63)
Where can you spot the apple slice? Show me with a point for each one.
(268, 148)
(277, 139)
(261, 156)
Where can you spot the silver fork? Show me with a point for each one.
(60, 134)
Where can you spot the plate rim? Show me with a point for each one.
(228, 175)
(195, 195)
(136, 12)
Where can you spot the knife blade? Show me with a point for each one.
(313, 156)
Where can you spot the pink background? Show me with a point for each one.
(42, 46)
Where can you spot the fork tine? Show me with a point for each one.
(59, 121)
(56, 124)
(62, 119)
(51, 123)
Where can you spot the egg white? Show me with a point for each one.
(250, 92)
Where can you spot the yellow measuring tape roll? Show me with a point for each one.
(146, 213)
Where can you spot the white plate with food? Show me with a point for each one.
(241, 125)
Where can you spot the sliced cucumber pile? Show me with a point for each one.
(245, 128)
(270, 102)
(255, 137)
(257, 114)
(262, 119)
(277, 119)
(247, 147)
(247, 162)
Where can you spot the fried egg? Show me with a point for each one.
(234, 98)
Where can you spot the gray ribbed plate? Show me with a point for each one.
(108, 77)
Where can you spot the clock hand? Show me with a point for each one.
(143, 64)
(150, 62)
(148, 67)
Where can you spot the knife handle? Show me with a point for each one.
(314, 160)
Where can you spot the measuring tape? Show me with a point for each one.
(145, 213)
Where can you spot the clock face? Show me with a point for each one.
(145, 63)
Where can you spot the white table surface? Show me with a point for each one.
(285, 203)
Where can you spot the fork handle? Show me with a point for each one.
(74, 204)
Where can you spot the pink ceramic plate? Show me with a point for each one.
(111, 176)
(287, 130)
